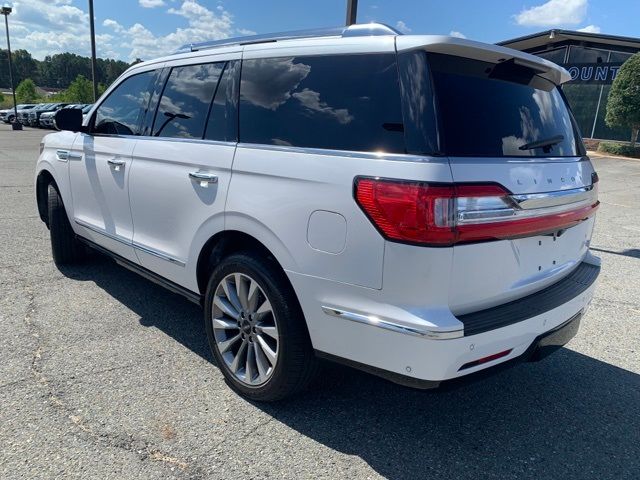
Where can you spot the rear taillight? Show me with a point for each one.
(446, 214)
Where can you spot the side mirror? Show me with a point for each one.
(69, 119)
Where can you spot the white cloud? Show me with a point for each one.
(455, 33)
(284, 77)
(109, 23)
(202, 24)
(402, 27)
(310, 99)
(553, 13)
(245, 31)
(590, 29)
(48, 27)
(151, 3)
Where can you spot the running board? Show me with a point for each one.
(148, 274)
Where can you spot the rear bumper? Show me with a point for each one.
(528, 329)
(543, 346)
(540, 302)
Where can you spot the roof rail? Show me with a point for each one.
(358, 30)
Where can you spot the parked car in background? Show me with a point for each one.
(34, 115)
(46, 118)
(23, 115)
(420, 207)
(8, 115)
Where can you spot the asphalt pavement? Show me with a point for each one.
(106, 375)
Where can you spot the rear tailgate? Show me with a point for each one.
(491, 273)
(526, 193)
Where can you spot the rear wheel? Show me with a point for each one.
(256, 329)
(65, 247)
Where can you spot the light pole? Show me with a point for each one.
(93, 52)
(6, 10)
(352, 11)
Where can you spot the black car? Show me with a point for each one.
(34, 115)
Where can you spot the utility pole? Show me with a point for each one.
(6, 10)
(93, 51)
(352, 11)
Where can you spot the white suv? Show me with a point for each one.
(419, 207)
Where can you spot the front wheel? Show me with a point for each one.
(65, 247)
(256, 329)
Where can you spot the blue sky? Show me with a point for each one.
(127, 29)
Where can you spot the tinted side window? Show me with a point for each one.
(223, 119)
(156, 88)
(120, 113)
(185, 101)
(346, 102)
(418, 104)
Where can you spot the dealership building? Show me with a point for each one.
(593, 60)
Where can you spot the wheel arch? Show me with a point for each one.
(44, 178)
(225, 243)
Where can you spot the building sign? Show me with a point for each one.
(593, 73)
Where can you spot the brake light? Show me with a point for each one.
(446, 214)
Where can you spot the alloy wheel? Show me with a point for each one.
(245, 329)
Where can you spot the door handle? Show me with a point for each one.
(116, 164)
(203, 178)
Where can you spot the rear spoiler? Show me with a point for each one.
(461, 47)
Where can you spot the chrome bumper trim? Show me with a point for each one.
(394, 327)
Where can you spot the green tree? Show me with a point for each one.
(623, 105)
(26, 91)
(24, 66)
(80, 91)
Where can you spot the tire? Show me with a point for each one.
(65, 248)
(11, 119)
(281, 330)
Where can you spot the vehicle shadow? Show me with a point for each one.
(570, 416)
(629, 252)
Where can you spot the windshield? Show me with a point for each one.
(483, 109)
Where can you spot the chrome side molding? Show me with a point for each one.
(158, 254)
(394, 327)
(129, 243)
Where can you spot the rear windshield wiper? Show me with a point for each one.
(545, 144)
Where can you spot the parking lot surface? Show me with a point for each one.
(106, 375)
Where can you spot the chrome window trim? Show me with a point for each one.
(167, 139)
(188, 140)
(394, 327)
(136, 245)
(344, 153)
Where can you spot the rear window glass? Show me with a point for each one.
(497, 110)
(342, 102)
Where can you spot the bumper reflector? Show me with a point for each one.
(487, 359)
